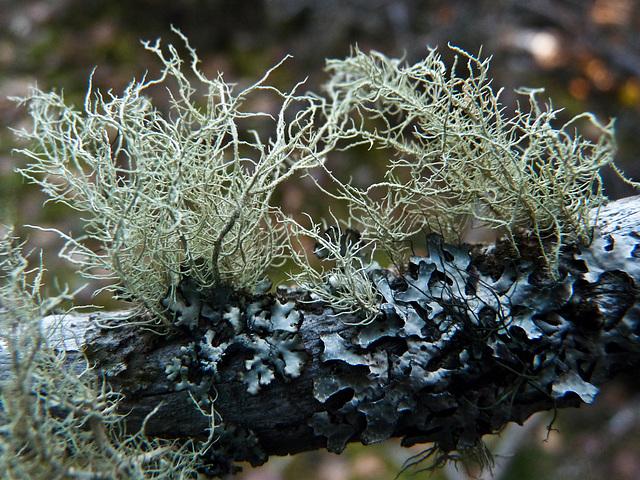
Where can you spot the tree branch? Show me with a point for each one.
(468, 341)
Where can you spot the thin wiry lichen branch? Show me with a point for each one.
(182, 193)
(345, 285)
(458, 159)
(61, 424)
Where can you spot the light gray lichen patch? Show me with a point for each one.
(337, 348)
(185, 303)
(284, 317)
(571, 382)
(608, 253)
(279, 354)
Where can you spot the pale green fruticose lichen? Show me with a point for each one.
(181, 193)
(188, 193)
(457, 160)
(56, 423)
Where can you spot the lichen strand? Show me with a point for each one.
(182, 188)
(233, 442)
(448, 322)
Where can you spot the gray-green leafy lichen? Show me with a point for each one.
(220, 323)
(451, 318)
(261, 328)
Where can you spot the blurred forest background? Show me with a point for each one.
(586, 54)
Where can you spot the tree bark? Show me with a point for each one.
(468, 339)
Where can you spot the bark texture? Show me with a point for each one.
(468, 339)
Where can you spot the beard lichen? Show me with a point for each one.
(180, 193)
(188, 193)
(57, 423)
(458, 159)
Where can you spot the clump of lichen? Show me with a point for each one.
(186, 192)
(179, 203)
(56, 423)
(459, 161)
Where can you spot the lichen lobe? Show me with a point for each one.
(454, 346)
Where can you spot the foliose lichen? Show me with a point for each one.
(220, 324)
(259, 327)
(232, 442)
(450, 319)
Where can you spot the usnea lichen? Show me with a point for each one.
(345, 284)
(458, 161)
(181, 193)
(187, 193)
(62, 424)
